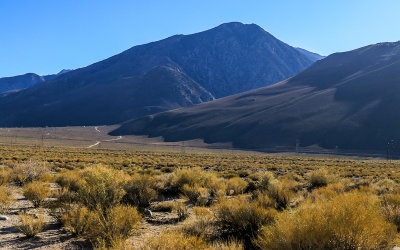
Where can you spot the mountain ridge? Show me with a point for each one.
(215, 63)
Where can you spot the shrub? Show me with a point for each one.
(36, 192)
(29, 225)
(202, 224)
(328, 192)
(140, 191)
(263, 180)
(6, 198)
(391, 208)
(319, 178)
(112, 227)
(190, 177)
(216, 186)
(5, 175)
(29, 171)
(70, 180)
(236, 186)
(348, 221)
(181, 211)
(196, 195)
(102, 187)
(174, 240)
(240, 218)
(77, 221)
(385, 186)
(263, 200)
(279, 194)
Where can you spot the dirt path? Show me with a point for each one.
(98, 142)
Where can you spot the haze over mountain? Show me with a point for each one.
(348, 100)
(17, 83)
(179, 71)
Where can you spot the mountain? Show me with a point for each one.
(178, 71)
(311, 55)
(18, 83)
(347, 101)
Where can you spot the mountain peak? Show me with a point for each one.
(228, 59)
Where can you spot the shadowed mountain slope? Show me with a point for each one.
(179, 71)
(348, 100)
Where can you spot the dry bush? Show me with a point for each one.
(202, 224)
(102, 187)
(348, 221)
(36, 192)
(280, 194)
(181, 210)
(113, 227)
(190, 177)
(263, 200)
(174, 240)
(385, 186)
(236, 186)
(328, 192)
(70, 180)
(242, 219)
(391, 208)
(290, 184)
(29, 171)
(5, 175)
(320, 178)
(77, 220)
(140, 190)
(196, 195)
(29, 225)
(263, 180)
(6, 198)
(216, 186)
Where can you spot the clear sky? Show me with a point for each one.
(45, 36)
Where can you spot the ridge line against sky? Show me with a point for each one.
(45, 36)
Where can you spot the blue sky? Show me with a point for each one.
(45, 36)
